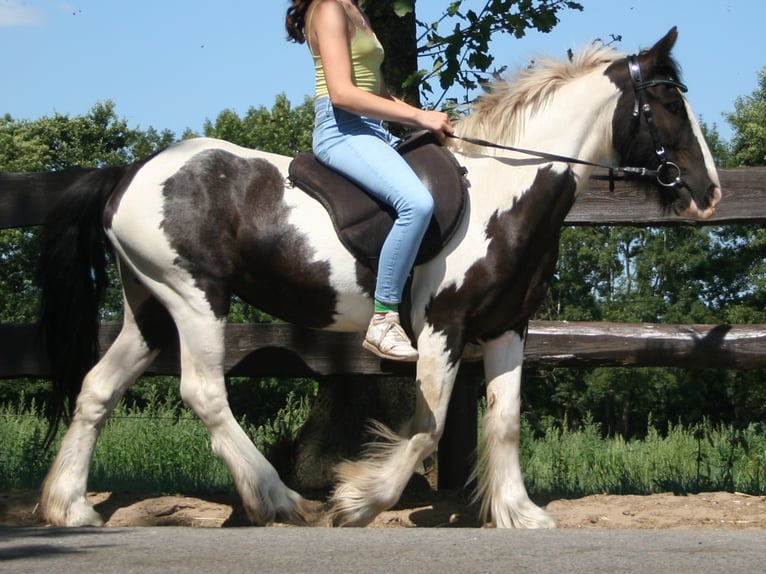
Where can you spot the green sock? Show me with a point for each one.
(384, 307)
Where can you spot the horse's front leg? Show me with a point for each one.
(375, 482)
(505, 502)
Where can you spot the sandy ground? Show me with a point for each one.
(714, 510)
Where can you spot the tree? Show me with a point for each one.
(720, 148)
(283, 129)
(749, 122)
(51, 143)
(95, 139)
(457, 44)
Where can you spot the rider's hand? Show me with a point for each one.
(438, 123)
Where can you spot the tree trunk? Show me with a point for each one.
(399, 38)
(338, 425)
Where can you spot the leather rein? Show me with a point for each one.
(668, 174)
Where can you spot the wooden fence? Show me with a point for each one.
(284, 350)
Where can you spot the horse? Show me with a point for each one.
(205, 219)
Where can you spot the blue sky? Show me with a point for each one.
(171, 64)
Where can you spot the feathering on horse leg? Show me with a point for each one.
(504, 499)
(265, 497)
(64, 501)
(375, 482)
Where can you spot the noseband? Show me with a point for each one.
(668, 174)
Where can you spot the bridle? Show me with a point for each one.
(668, 174)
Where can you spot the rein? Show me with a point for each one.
(664, 174)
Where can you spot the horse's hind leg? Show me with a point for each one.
(201, 336)
(375, 482)
(505, 502)
(64, 501)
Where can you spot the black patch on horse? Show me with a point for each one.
(243, 242)
(503, 289)
(363, 223)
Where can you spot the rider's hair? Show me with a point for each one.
(295, 21)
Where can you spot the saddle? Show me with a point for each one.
(363, 223)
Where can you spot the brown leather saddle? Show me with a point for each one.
(363, 223)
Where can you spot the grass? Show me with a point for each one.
(682, 460)
(163, 448)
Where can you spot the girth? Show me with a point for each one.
(363, 223)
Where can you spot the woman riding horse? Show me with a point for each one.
(349, 137)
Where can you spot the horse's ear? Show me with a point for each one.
(663, 48)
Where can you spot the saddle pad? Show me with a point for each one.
(363, 223)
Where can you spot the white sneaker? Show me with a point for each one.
(386, 338)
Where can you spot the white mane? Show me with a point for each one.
(498, 115)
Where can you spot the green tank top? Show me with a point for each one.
(366, 58)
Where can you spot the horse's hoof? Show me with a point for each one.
(531, 518)
(343, 515)
(83, 516)
(307, 513)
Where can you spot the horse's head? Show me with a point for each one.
(654, 127)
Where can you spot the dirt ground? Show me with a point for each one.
(714, 510)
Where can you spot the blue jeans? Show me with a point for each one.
(362, 149)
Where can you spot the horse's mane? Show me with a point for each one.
(498, 114)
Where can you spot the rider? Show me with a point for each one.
(349, 136)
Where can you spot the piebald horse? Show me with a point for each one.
(205, 219)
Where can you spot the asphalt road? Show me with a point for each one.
(170, 550)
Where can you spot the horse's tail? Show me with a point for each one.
(73, 279)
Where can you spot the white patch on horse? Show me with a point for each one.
(353, 306)
(501, 489)
(706, 153)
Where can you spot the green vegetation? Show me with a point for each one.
(701, 458)
(162, 448)
(159, 447)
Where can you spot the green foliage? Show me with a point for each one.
(458, 43)
(162, 448)
(95, 139)
(50, 143)
(283, 129)
(19, 250)
(152, 445)
(689, 275)
(720, 148)
(281, 431)
(699, 458)
(403, 7)
(749, 122)
(23, 462)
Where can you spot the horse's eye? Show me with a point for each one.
(674, 108)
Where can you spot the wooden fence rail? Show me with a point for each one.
(281, 350)
(744, 201)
